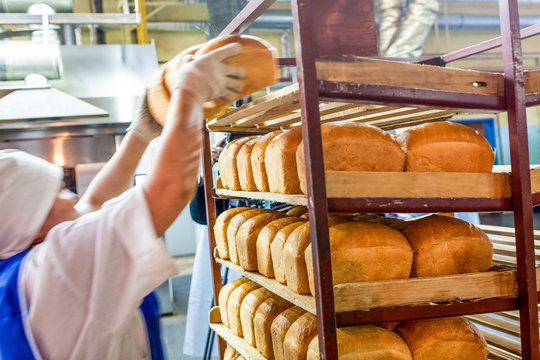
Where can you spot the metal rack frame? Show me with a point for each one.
(309, 17)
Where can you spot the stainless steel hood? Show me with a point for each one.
(27, 104)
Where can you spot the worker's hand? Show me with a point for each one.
(217, 148)
(145, 127)
(209, 78)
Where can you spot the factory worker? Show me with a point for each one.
(77, 287)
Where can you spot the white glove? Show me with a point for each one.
(209, 78)
(145, 127)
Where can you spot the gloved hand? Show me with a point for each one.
(145, 127)
(209, 78)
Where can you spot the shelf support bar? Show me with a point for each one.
(303, 12)
(521, 181)
(211, 220)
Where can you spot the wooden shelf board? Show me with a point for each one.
(396, 186)
(281, 110)
(406, 75)
(306, 302)
(362, 296)
(532, 81)
(246, 350)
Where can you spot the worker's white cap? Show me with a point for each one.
(28, 188)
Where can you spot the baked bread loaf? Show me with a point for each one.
(445, 245)
(266, 313)
(443, 339)
(365, 251)
(230, 353)
(246, 238)
(249, 306)
(296, 271)
(297, 211)
(233, 227)
(220, 230)
(264, 241)
(157, 97)
(223, 297)
(257, 58)
(234, 303)
(223, 166)
(243, 163)
(366, 343)
(280, 162)
(446, 146)
(276, 250)
(280, 326)
(298, 337)
(257, 161)
(352, 146)
(230, 167)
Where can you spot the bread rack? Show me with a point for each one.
(335, 83)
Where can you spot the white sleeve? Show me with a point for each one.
(89, 276)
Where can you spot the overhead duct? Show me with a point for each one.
(21, 6)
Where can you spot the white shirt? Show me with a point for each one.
(85, 282)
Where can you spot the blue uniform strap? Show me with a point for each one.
(14, 344)
(150, 310)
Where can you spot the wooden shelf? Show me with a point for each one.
(281, 110)
(362, 296)
(306, 302)
(407, 191)
(246, 350)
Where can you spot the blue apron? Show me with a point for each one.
(14, 343)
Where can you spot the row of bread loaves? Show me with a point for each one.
(363, 248)
(279, 330)
(275, 162)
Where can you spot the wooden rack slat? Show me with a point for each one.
(532, 81)
(399, 74)
(246, 350)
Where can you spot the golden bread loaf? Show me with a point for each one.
(294, 260)
(446, 146)
(276, 250)
(230, 167)
(249, 307)
(280, 162)
(223, 297)
(280, 326)
(246, 238)
(230, 353)
(234, 226)
(264, 241)
(257, 57)
(445, 245)
(266, 313)
(235, 302)
(297, 211)
(365, 343)
(443, 339)
(157, 97)
(352, 146)
(257, 161)
(243, 164)
(220, 230)
(223, 167)
(298, 337)
(365, 251)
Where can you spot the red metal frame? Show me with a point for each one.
(425, 311)
(521, 181)
(317, 26)
(211, 220)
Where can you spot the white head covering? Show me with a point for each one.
(28, 189)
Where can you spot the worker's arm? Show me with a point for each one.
(172, 182)
(117, 174)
